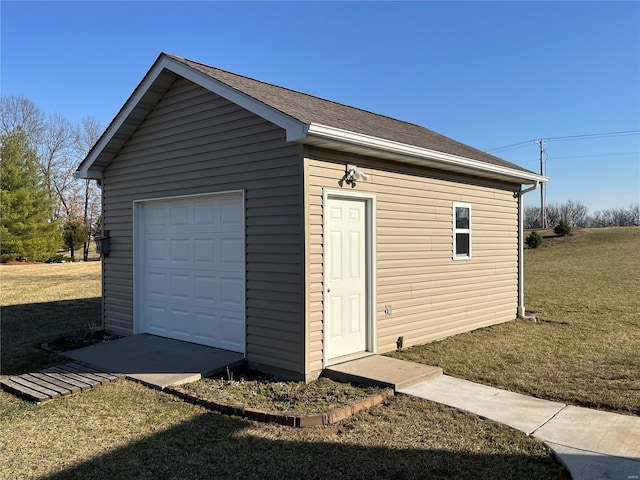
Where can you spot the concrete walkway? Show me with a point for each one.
(592, 444)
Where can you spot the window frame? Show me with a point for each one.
(457, 231)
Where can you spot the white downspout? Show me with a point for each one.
(521, 309)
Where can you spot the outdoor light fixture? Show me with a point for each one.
(353, 175)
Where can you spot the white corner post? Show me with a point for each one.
(521, 309)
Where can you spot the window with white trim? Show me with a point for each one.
(461, 231)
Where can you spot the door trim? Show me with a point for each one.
(138, 236)
(370, 267)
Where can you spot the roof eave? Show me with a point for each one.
(344, 140)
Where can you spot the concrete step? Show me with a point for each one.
(382, 371)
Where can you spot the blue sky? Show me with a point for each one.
(489, 74)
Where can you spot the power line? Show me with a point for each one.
(596, 155)
(597, 135)
(514, 146)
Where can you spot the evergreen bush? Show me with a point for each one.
(534, 240)
(562, 228)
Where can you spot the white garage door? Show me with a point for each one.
(191, 260)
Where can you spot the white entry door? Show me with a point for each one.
(190, 277)
(345, 277)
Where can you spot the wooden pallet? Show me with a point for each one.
(54, 382)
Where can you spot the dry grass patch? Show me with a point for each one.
(41, 302)
(252, 390)
(585, 348)
(123, 430)
(49, 282)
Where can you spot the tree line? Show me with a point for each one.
(43, 206)
(576, 214)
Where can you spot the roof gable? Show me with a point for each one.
(305, 118)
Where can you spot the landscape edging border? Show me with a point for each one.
(297, 421)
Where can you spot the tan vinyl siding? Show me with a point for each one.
(432, 296)
(195, 142)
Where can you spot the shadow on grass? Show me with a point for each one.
(25, 327)
(216, 446)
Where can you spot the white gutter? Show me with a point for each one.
(439, 159)
(521, 310)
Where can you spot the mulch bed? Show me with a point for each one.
(310, 420)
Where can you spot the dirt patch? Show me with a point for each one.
(72, 342)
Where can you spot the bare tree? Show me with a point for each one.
(18, 112)
(531, 217)
(554, 214)
(574, 213)
(57, 162)
(88, 134)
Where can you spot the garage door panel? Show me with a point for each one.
(154, 217)
(205, 290)
(205, 251)
(206, 214)
(180, 251)
(157, 319)
(232, 212)
(156, 250)
(179, 215)
(231, 328)
(231, 252)
(231, 293)
(192, 270)
(156, 285)
(181, 287)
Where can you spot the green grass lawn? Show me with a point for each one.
(586, 348)
(124, 430)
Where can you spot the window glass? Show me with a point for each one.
(461, 231)
(462, 217)
(462, 244)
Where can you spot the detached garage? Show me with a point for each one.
(295, 230)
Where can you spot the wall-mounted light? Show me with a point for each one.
(103, 245)
(352, 175)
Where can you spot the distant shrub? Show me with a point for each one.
(534, 240)
(562, 228)
(58, 258)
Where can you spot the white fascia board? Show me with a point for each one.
(121, 117)
(445, 160)
(88, 174)
(296, 130)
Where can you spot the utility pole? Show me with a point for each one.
(543, 208)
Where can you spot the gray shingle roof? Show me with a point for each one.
(310, 109)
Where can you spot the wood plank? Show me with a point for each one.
(86, 383)
(94, 371)
(58, 381)
(68, 379)
(21, 390)
(92, 382)
(34, 386)
(90, 376)
(31, 377)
